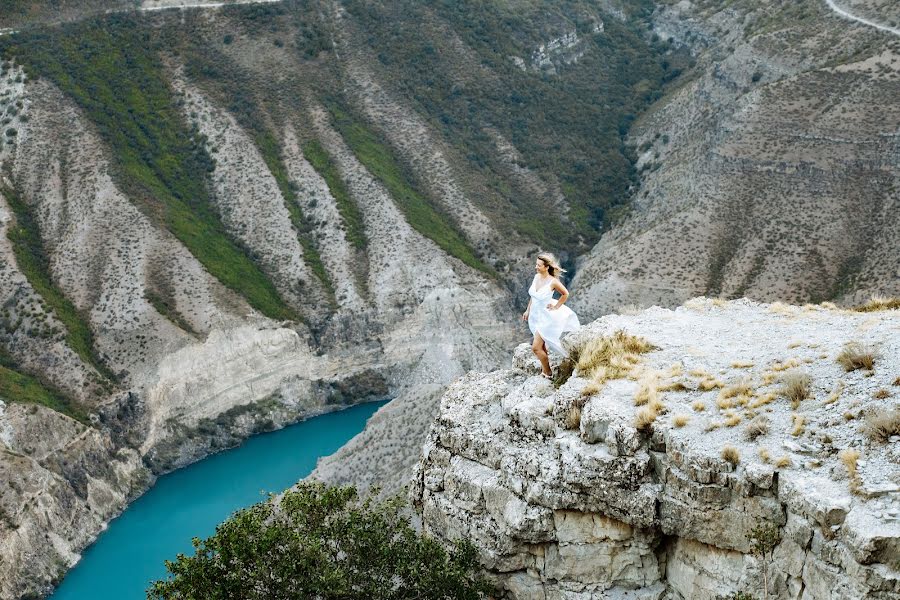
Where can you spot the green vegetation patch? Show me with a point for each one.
(32, 262)
(271, 153)
(19, 387)
(354, 230)
(234, 90)
(377, 156)
(167, 308)
(318, 541)
(111, 69)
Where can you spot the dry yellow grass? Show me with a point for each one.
(647, 390)
(712, 426)
(710, 383)
(783, 462)
(644, 417)
(698, 405)
(741, 364)
(675, 370)
(731, 454)
(610, 357)
(795, 387)
(573, 416)
(856, 356)
(784, 366)
(673, 386)
(698, 373)
(879, 303)
(769, 377)
(766, 398)
(835, 393)
(742, 387)
(881, 425)
(780, 308)
(798, 423)
(793, 345)
(725, 403)
(680, 420)
(849, 416)
(850, 456)
(757, 427)
(764, 455)
(881, 394)
(732, 419)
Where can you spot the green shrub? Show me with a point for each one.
(322, 542)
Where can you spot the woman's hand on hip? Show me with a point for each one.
(525, 316)
(552, 307)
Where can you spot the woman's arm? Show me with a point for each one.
(557, 285)
(527, 311)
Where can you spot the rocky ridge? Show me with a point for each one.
(769, 151)
(616, 508)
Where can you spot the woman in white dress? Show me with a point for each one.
(548, 319)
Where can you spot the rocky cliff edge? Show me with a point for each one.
(695, 453)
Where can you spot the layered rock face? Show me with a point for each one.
(771, 173)
(612, 506)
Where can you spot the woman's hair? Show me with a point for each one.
(552, 264)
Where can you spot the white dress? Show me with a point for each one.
(549, 323)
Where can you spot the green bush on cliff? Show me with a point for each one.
(322, 542)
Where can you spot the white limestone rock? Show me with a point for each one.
(607, 509)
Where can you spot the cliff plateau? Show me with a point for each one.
(686, 472)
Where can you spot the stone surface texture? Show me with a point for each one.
(612, 511)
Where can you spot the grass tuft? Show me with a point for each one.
(783, 462)
(877, 303)
(882, 425)
(856, 356)
(759, 426)
(798, 424)
(795, 387)
(850, 458)
(730, 454)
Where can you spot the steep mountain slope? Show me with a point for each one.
(772, 173)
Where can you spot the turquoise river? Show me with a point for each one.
(190, 503)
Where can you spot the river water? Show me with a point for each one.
(190, 502)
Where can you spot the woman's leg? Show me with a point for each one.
(540, 350)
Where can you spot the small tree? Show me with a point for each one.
(763, 540)
(322, 542)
